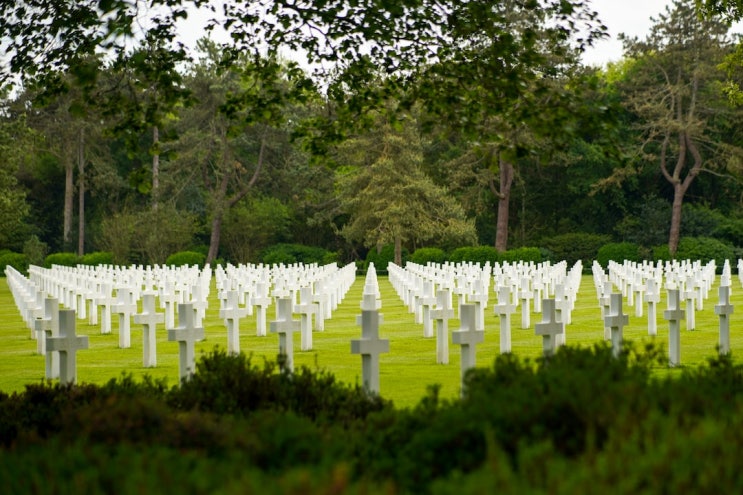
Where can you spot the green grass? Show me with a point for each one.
(406, 371)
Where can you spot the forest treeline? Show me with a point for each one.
(484, 131)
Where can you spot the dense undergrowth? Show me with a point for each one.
(580, 422)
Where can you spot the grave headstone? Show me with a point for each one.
(549, 328)
(441, 314)
(48, 326)
(616, 321)
(724, 309)
(674, 314)
(125, 307)
(149, 318)
(504, 309)
(525, 295)
(652, 298)
(261, 301)
(305, 309)
(66, 344)
(370, 346)
(186, 334)
(467, 337)
(285, 327)
(232, 313)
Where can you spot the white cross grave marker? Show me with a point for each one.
(285, 327)
(442, 313)
(370, 346)
(427, 302)
(262, 301)
(504, 309)
(674, 315)
(467, 337)
(149, 318)
(125, 308)
(616, 321)
(48, 326)
(231, 313)
(67, 345)
(105, 301)
(652, 297)
(306, 309)
(549, 327)
(186, 334)
(724, 309)
(525, 295)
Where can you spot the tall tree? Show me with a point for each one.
(390, 200)
(673, 88)
(15, 147)
(233, 131)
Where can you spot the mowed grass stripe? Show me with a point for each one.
(405, 372)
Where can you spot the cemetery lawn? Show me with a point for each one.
(406, 371)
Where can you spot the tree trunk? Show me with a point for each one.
(215, 237)
(675, 232)
(398, 251)
(503, 193)
(81, 193)
(155, 167)
(68, 202)
(679, 186)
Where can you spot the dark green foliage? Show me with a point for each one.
(16, 260)
(97, 258)
(618, 252)
(523, 254)
(581, 421)
(422, 256)
(233, 385)
(477, 254)
(296, 253)
(385, 256)
(704, 249)
(186, 258)
(574, 247)
(62, 259)
(35, 250)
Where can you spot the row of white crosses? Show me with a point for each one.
(319, 290)
(370, 346)
(286, 286)
(684, 281)
(51, 324)
(190, 309)
(53, 329)
(516, 285)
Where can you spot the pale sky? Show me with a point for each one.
(631, 17)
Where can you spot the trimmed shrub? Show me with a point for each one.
(618, 252)
(35, 250)
(523, 254)
(575, 246)
(62, 259)
(705, 249)
(422, 256)
(476, 254)
(701, 249)
(97, 258)
(294, 253)
(385, 256)
(16, 260)
(186, 258)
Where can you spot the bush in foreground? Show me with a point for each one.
(579, 422)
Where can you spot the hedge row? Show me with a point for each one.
(579, 422)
